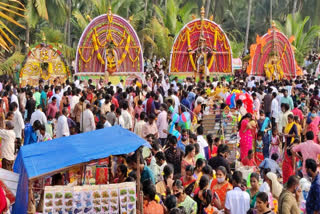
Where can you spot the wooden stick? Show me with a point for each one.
(139, 194)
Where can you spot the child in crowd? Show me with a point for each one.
(259, 148)
(43, 135)
(275, 143)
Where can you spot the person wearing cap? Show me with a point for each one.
(8, 146)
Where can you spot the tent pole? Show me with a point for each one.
(139, 193)
(31, 203)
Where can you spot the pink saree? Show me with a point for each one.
(314, 127)
(245, 139)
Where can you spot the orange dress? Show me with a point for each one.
(152, 207)
(222, 192)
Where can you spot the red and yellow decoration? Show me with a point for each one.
(109, 45)
(43, 61)
(272, 56)
(201, 40)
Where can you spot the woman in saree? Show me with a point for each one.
(188, 158)
(188, 180)
(314, 124)
(264, 124)
(290, 131)
(289, 162)
(164, 187)
(220, 186)
(254, 190)
(245, 128)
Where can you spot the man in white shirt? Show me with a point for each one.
(18, 125)
(162, 123)
(38, 115)
(174, 83)
(161, 162)
(166, 86)
(126, 117)
(119, 118)
(88, 124)
(176, 102)
(13, 98)
(200, 98)
(7, 146)
(237, 201)
(251, 83)
(203, 144)
(76, 81)
(274, 110)
(62, 126)
(138, 128)
(120, 84)
(74, 99)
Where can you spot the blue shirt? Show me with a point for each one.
(268, 163)
(313, 200)
(30, 136)
(43, 97)
(181, 146)
(186, 103)
(147, 174)
(191, 97)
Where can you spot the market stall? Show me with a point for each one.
(48, 158)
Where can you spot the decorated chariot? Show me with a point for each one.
(201, 48)
(272, 57)
(109, 48)
(43, 62)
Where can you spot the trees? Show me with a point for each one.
(304, 37)
(8, 12)
(156, 21)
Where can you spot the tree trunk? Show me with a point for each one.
(65, 31)
(248, 27)
(208, 8)
(294, 9)
(27, 34)
(271, 13)
(69, 2)
(215, 10)
(144, 20)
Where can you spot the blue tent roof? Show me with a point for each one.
(38, 159)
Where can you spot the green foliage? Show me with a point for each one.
(157, 37)
(175, 16)
(158, 21)
(53, 11)
(237, 48)
(304, 38)
(51, 35)
(8, 66)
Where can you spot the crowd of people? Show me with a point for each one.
(186, 171)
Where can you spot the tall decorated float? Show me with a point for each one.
(272, 57)
(201, 48)
(109, 48)
(43, 62)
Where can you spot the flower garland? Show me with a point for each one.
(96, 48)
(190, 51)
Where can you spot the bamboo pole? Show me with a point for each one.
(139, 193)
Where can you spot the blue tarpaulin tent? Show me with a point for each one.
(36, 160)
